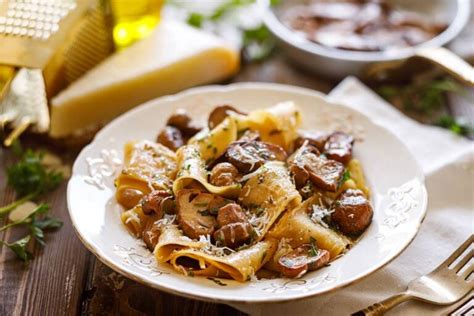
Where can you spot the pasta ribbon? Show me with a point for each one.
(297, 227)
(148, 166)
(192, 169)
(277, 125)
(268, 193)
(214, 143)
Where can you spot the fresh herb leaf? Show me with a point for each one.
(346, 176)
(455, 126)
(227, 7)
(258, 43)
(314, 250)
(29, 177)
(196, 19)
(41, 209)
(37, 233)
(19, 247)
(48, 223)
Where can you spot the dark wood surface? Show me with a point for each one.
(65, 279)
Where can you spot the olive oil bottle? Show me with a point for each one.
(134, 19)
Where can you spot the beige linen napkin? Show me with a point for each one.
(448, 163)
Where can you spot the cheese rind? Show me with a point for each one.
(174, 57)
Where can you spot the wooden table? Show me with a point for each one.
(66, 279)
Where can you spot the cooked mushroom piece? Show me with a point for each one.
(230, 213)
(324, 173)
(301, 260)
(151, 233)
(129, 197)
(223, 174)
(171, 137)
(249, 156)
(339, 147)
(179, 119)
(182, 121)
(220, 113)
(195, 212)
(152, 202)
(233, 235)
(317, 139)
(352, 212)
(300, 175)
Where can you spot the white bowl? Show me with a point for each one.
(397, 183)
(339, 63)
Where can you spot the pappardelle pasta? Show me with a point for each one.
(247, 196)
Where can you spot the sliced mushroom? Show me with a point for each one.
(230, 213)
(339, 147)
(249, 156)
(182, 121)
(195, 212)
(233, 235)
(352, 212)
(151, 233)
(220, 113)
(301, 260)
(223, 174)
(316, 139)
(152, 202)
(171, 137)
(324, 173)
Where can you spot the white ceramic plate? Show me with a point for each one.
(399, 195)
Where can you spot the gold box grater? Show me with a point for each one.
(49, 43)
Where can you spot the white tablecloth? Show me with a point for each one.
(448, 163)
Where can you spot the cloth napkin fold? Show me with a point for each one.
(448, 163)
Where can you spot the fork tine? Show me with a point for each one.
(458, 267)
(458, 252)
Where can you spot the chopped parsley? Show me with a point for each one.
(217, 281)
(314, 250)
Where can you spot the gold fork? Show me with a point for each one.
(447, 284)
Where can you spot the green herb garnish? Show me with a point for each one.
(36, 226)
(217, 281)
(455, 126)
(314, 250)
(19, 247)
(346, 176)
(30, 178)
(257, 42)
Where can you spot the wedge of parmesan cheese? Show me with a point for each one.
(174, 57)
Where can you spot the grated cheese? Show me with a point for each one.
(209, 248)
(319, 213)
